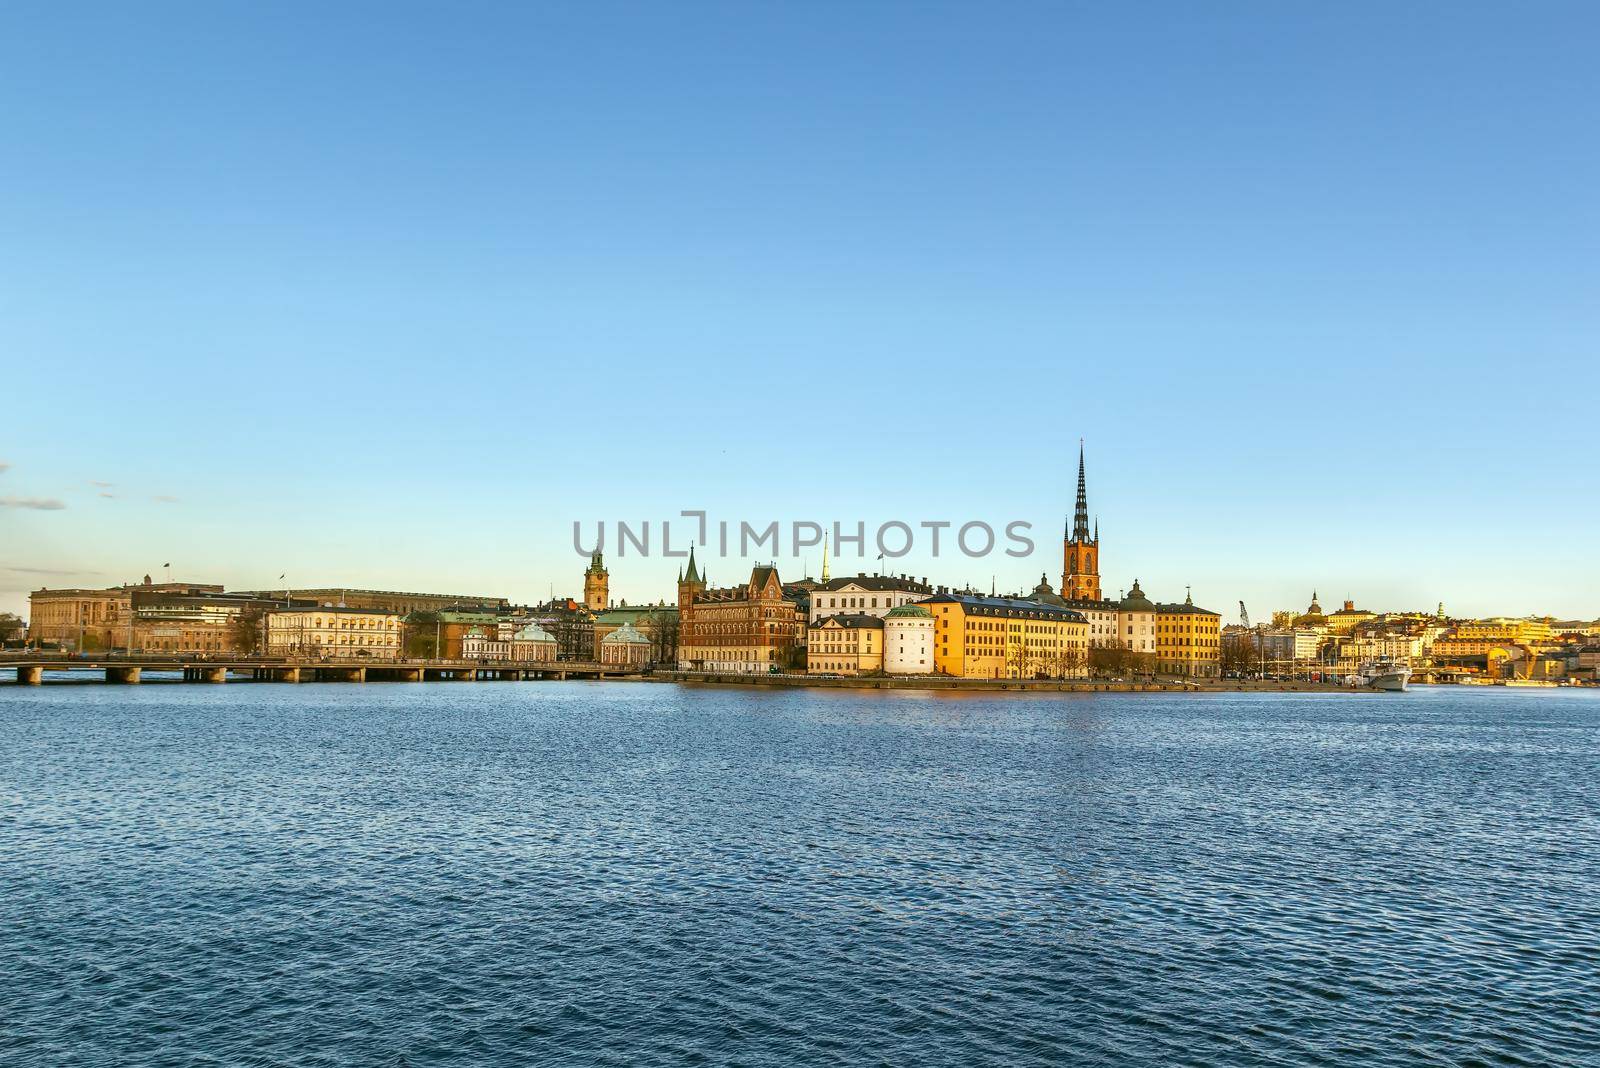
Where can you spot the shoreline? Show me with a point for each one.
(937, 682)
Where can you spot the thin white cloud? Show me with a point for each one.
(4, 467)
(48, 571)
(38, 504)
(164, 499)
(109, 495)
(101, 485)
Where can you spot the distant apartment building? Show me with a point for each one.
(1503, 629)
(1348, 654)
(1296, 645)
(337, 633)
(752, 627)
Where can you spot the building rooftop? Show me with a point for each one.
(877, 582)
(852, 621)
(625, 635)
(1013, 607)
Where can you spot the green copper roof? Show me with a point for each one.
(911, 611)
(625, 634)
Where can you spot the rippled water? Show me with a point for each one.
(583, 873)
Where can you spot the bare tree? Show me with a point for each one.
(244, 631)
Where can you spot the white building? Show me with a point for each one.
(626, 646)
(869, 595)
(1136, 622)
(908, 640)
(333, 633)
(1298, 643)
(478, 644)
(533, 642)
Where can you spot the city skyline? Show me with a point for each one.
(395, 302)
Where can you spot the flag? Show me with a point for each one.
(280, 577)
(166, 565)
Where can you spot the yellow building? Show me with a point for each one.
(845, 645)
(977, 637)
(1188, 640)
(335, 633)
(1501, 629)
(1345, 619)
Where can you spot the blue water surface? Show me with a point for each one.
(648, 874)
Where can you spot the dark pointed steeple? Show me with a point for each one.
(1080, 512)
(691, 575)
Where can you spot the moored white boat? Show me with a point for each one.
(1385, 674)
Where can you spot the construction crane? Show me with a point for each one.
(1244, 616)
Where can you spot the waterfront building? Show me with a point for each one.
(657, 622)
(1080, 569)
(596, 584)
(333, 632)
(908, 640)
(529, 642)
(1136, 622)
(93, 620)
(532, 642)
(873, 595)
(480, 643)
(444, 634)
(850, 643)
(187, 621)
(1188, 640)
(625, 646)
(1006, 637)
(753, 627)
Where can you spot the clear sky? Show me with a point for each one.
(390, 294)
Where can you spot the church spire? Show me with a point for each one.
(1080, 512)
(824, 558)
(692, 575)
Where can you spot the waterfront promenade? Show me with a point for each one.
(240, 668)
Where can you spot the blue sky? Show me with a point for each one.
(391, 294)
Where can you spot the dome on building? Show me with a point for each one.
(533, 633)
(1044, 594)
(477, 632)
(909, 611)
(625, 635)
(1136, 601)
(1312, 617)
